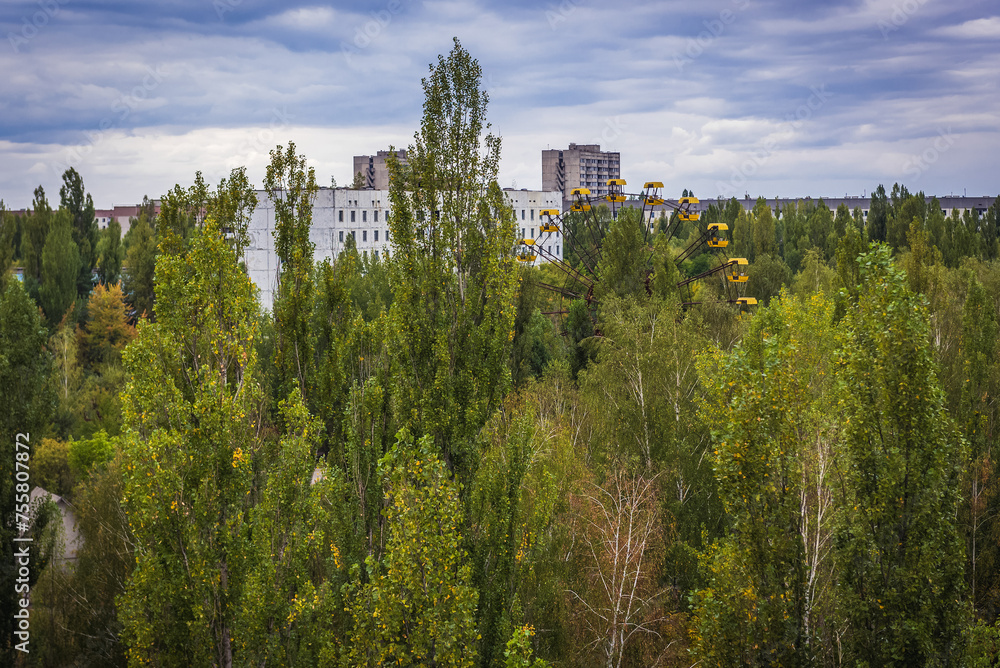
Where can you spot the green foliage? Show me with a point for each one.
(292, 188)
(192, 410)
(452, 268)
(50, 467)
(106, 331)
(537, 345)
(624, 257)
(802, 486)
(849, 249)
(510, 509)
(76, 607)
(292, 591)
(417, 606)
(897, 541)
(518, 651)
(35, 230)
(769, 580)
(637, 416)
(977, 417)
(536, 340)
(878, 215)
(816, 276)
(763, 230)
(28, 402)
(983, 645)
(139, 268)
(580, 332)
(60, 269)
(768, 275)
(110, 253)
(78, 203)
(85, 454)
(9, 233)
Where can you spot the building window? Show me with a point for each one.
(557, 250)
(342, 234)
(387, 235)
(341, 212)
(352, 216)
(364, 235)
(532, 233)
(364, 216)
(522, 214)
(523, 231)
(376, 219)
(353, 234)
(376, 232)
(532, 214)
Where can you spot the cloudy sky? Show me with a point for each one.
(726, 97)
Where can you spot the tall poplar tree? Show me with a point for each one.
(898, 546)
(452, 267)
(192, 408)
(36, 228)
(139, 267)
(80, 205)
(292, 188)
(878, 215)
(110, 253)
(60, 269)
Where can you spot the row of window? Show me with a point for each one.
(364, 216)
(364, 235)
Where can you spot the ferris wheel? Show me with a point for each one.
(585, 241)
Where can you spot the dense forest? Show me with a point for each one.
(431, 459)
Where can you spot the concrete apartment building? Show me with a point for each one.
(579, 166)
(374, 169)
(363, 214)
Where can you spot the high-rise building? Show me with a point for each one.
(579, 166)
(374, 169)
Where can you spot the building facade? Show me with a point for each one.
(339, 213)
(579, 166)
(374, 169)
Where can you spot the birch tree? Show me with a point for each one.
(768, 594)
(622, 541)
